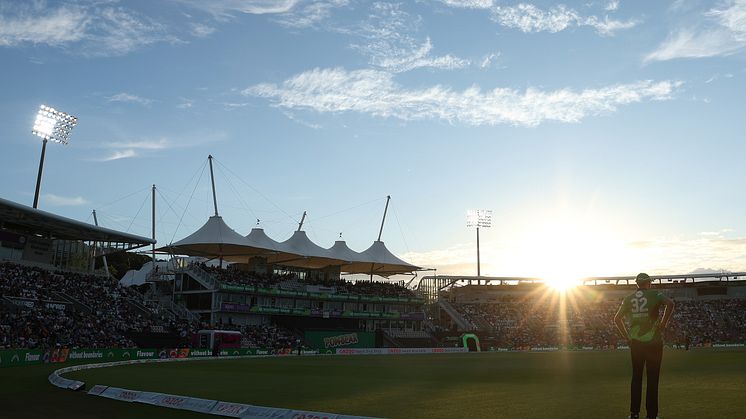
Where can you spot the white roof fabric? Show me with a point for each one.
(302, 252)
(377, 259)
(340, 250)
(137, 277)
(215, 239)
(257, 237)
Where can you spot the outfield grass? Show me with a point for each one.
(703, 383)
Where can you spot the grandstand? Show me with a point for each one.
(520, 314)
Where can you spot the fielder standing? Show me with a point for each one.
(645, 337)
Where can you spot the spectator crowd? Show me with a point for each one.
(514, 322)
(290, 280)
(40, 309)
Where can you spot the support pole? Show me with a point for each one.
(302, 219)
(212, 178)
(41, 170)
(380, 232)
(152, 247)
(479, 272)
(106, 264)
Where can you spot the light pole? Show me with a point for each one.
(50, 124)
(478, 218)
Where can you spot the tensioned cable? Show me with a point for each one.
(401, 231)
(167, 203)
(253, 189)
(138, 213)
(349, 209)
(122, 198)
(110, 219)
(188, 202)
(175, 205)
(240, 198)
(310, 222)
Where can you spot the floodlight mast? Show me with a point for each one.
(478, 218)
(41, 170)
(50, 124)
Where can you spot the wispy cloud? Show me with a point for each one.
(155, 144)
(118, 155)
(226, 8)
(310, 14)
(612, 6)
(201, 30)
(470, 4)
(387, 40)
(376, 93)
(185, 103)
(95, 28)
(528, 18)
(129, 98)
(722, 32)
(488, 60)
(63, 201)
(134, 148)
(31, 24)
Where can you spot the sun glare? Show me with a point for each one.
(561, 283)
(564, 249)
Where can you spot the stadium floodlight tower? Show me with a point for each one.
(478, 218)
(54, 125)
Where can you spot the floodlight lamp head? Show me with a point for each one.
(479, 218)
(54, 125)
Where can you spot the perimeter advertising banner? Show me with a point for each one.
(331, 339)
(10, 358)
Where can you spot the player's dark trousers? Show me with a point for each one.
(645, 356)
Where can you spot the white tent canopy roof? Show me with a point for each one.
(257, 237)
(138, 277)
(215, 239)
(304, 253)
(378, 260)
(340, 250)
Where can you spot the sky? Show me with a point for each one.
(606, 137)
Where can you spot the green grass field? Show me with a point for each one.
(701, 383)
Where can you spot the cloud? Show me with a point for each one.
(225, 8)
(185, 103)
(376, 93)
(201, 31)
(387, 40)
(93, 28)
(130, 149)
(129, 98)
(399, 61)
(159, 144)
(63, 201)
(118, 155)
(612, 6)
(723, 32)
(469, 4)
(529, 18)
(51, 27)
(310, 14)
(487, 60)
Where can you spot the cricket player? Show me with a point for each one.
(645, 337)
